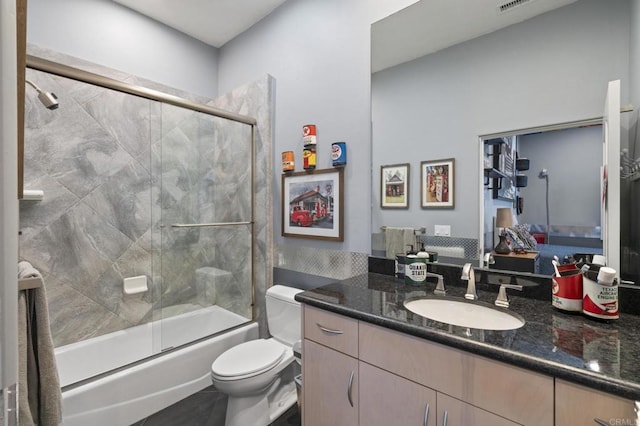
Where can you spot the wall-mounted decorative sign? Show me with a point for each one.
(394, 186)
(312, 204)
(436, 183)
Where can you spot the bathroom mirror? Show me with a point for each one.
(549, 69)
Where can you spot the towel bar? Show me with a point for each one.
(416, 230)
(28, 283)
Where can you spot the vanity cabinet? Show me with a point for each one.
(469, 381)
(388, 399)
(330, 386)
(355, 373)
(579, 405)
(358, 373)
(329, 369)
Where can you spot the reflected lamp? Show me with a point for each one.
(503, 220)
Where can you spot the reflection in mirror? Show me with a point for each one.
(554, 210)
(552, 68)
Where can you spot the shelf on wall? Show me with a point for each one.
(496, 175)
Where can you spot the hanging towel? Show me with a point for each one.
(39, 395)
(397, 240)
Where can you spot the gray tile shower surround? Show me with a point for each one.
(97, 159)
(551, 342)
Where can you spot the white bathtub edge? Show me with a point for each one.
(133, 394)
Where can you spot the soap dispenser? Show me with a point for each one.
(423, 253)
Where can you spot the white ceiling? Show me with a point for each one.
(422, 28)
(214, 22)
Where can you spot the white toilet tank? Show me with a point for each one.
(284, 314)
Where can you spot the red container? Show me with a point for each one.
(309, 134)
(567, 290)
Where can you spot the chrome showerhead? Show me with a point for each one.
(543, 174)
(48, 99)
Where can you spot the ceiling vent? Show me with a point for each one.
(509, 5)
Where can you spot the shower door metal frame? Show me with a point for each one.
(40, 64)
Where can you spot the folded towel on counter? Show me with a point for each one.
(39, 394)
(397, 240)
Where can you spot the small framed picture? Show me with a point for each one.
(394, 186)
(436, 183)
(312, 204)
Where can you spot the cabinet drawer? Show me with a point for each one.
(333, 330)
(578, 405)
(477, 380)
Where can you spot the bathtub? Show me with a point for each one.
(97, 390)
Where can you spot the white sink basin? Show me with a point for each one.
(465, 314)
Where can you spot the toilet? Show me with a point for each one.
(258, 376)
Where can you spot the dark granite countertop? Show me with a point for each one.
(597, 354)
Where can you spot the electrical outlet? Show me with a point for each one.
(442, 230)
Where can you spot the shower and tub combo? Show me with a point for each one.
(137, 184)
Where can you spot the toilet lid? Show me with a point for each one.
(251, 357)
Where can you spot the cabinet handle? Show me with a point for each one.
(350, 387)
(445, 418)
(425, 419)
(329, 330)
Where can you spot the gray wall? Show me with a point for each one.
(553, 68)
(109, 34)
(573, 158)
(319, 54)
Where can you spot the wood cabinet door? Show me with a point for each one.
(579, 405)
(329, 385)
(453, 412)
(387, 399)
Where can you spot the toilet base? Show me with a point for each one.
(263, 409)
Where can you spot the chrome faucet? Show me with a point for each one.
(440, 290)
(503, 300)
(469, 275)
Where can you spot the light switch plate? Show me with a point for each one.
(442, 230)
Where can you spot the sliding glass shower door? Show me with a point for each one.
(202, 208)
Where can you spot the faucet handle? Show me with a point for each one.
(440, 290)
(503, 300)
(468, 274)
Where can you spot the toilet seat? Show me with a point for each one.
(248, 359)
